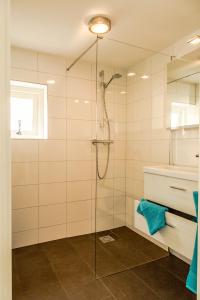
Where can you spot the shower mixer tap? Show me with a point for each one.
(104, 121)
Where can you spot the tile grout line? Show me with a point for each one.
(147, 285)
(107, 288)
(50, 264)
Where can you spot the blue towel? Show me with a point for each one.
(154, 215)
(191, 282)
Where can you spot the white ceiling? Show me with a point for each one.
(61, 26)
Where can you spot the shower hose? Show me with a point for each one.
(103, 175)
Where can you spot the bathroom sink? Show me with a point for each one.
(187, 173)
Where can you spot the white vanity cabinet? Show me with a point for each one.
(176, 193)
(178, 235)
(174, 190)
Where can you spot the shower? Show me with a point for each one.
(117, 75)
(107, 141)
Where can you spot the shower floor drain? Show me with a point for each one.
(106, 239)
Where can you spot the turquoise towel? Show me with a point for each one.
(154, 215)
(191, 282)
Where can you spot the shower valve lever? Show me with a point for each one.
(95, 141)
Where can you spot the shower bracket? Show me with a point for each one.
(99, 37)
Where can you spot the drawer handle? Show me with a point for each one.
(170, 225)
(177, 188)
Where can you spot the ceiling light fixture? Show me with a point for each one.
(144, 76)
(195, 40)
(99, 25)
(131, 74)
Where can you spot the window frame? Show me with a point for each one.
(38, 93)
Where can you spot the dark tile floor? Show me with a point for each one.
(64, 270)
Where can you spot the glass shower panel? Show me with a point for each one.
(81, 168)
(116, 245)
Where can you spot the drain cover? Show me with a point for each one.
(106, 239)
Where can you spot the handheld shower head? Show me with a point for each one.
(114, 76)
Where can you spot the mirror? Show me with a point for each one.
(183, 78)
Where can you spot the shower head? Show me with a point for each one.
(114, 76)
(117, 75)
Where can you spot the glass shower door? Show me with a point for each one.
(119, 132)
(110, 163)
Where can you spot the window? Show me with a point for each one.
(28, 110)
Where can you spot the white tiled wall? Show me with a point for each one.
(148, 140)
(54, 180)
(147, 136)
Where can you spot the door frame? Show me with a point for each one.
(5, 158)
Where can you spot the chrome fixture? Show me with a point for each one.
(107, 141)
(117, 75)
(177, 188)
(84, 52)
(99, 25)
(19, 132)
(106, 239)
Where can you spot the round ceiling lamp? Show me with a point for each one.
(99, 25)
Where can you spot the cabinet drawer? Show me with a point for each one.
(179, 235)
(171, 192)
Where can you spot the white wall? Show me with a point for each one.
(53, 180)
(5, 206)
(148, 140)
(147, 136)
